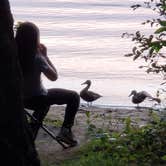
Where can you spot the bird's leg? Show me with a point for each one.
(138, 107)
(90, 105)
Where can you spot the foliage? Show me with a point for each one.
(151, 48)
(53, 122)
(143, 146)
(92, 130)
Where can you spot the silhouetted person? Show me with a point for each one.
(34, 61)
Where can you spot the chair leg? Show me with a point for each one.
(46, 130)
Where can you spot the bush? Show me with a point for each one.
(143, 146)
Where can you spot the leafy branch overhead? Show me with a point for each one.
(151, 48)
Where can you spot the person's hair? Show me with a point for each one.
(27, 40)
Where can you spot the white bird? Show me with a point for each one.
(139, 97)
(89, 96)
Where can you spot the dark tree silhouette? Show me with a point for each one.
(16, 145)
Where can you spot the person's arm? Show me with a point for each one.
(50, 72)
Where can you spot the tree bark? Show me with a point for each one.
(16, 145)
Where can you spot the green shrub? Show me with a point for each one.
(143, 146)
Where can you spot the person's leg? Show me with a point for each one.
(39, 115)
(40, 108)
(72, 99)
(64, 96)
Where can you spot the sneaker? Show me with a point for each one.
(65, 135)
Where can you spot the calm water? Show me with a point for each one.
(84, 42)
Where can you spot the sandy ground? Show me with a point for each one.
(110, 118)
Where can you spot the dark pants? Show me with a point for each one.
(41, 104)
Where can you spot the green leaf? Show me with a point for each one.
(164, 43)
(157, 49)
(87, 114)
(163, 6)
(161, 29)
(156, 45)
(164, 158)
(162, 23)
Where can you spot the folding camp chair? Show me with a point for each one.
(49, 132)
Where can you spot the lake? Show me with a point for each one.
(84, 41)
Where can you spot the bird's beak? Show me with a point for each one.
(83, 83)
(130, 94)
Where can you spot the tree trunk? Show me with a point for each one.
(16, 145)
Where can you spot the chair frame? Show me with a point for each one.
(49, 132)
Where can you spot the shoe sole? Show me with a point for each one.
(66, 141)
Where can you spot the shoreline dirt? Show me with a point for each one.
(113, 118)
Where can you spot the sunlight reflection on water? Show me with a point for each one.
(84, 42)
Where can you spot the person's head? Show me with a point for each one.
(27, 39)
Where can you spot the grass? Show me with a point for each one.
(133, 146)
(55, 122)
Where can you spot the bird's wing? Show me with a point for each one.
(94, 94)
(146, 94)
(158, 100)
(151, 97)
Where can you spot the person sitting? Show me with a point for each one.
(34, 61)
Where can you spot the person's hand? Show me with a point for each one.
(42, 49)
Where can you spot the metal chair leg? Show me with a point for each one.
(50, 133)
